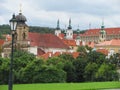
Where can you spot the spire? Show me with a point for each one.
(70, 27)
(78, 30)
(58, 25)
(20, 8)
(102, 27)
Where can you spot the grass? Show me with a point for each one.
(64, 86)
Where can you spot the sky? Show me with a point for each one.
(84, 14)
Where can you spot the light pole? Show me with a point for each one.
(13, 24)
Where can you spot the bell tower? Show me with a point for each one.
(69, 31)
(102, 36)
(58, 31)
(21, 34)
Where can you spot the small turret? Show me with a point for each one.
(69, 27)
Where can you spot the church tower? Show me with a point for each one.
(22, 29)
(69, 31)
(102, 36)
(20, 37)
(58, 31)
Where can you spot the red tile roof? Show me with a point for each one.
(61, 36)
(90, 44)
(95, 32)
(40, 52)
(113, 42)
(46, 40)
(104, 51)
(69, 42)
(50, 54)
(1, 42)
(7, 37)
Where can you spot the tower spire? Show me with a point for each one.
(20, 8)
(102, 27)
(70, 27)
(58, 25)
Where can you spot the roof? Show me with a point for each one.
(69, 42)
(61, 36)
(51, 54)
(90, 44)
(46, 40)
(95, 32)
(113, 42)
(1, 42)
(104, 51)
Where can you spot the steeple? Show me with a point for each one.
(70, 27)
(102, 32)
(58, 26)
(20, 11)
(78, 33)
(102, 27)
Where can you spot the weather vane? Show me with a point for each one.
(20, 8)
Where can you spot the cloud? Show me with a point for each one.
(47, 12)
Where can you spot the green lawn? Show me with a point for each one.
(64, 86)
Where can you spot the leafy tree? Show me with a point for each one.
(107, 73)
(81, 49)
(79, 65)
(96, 57)
(4, 70)
(115, 59)
(70, 70)
(66, 57)
(90, 71)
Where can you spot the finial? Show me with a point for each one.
(70, 27)
(20, 8)
(103, 21)
(102, 27)
(78, 30)
(58, 25)
(89, 25)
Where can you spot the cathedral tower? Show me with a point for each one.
(69, 31)
(102, 36)
(58, 31)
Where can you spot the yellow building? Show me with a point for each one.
(113, 46)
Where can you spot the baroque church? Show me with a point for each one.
(91, 35)
(20, 38)
(40, 44)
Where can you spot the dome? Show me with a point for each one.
(21, 18)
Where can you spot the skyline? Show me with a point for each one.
(45, 13)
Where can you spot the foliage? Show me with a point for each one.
(90, 71)
(4, 29)
(4, 70)
(106, 73)
(41, 29)
(92, 66)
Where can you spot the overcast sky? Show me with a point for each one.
(46, 12)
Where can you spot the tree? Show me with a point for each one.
(21, 60)
(79, 65)
(70, 70)
(4, 70)
(90, 71)
(96, 57)
(107, 73)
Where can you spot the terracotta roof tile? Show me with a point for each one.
(104, 51)
(95, 32)
(1, 42)
(50, 54)
(113, 42)
(69, 42)
(61, 36)
(46, 40)
(40, 52)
